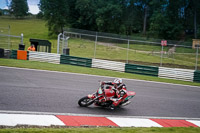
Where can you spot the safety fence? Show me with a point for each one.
(162, 72)
(128, 49)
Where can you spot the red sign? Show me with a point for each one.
(164, 43)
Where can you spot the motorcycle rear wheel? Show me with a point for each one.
(85, 101)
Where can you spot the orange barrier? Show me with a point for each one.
(21, 55)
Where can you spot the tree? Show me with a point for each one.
(109, 16)
(19, 8)
(195, 7)
(56, 13)
(86, 10)
(130, 19)
(167, 19)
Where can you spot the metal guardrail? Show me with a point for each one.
(78, 61)
(111, 65)
(175, 73)
(141, 69)
(13, 54)
(196, 76)
(162, 72)
(44, 57)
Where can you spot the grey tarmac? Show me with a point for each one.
(46, 91)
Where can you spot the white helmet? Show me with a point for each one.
(118, 81)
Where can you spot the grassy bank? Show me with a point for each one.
(85, 48)
(85, 70)
(31, 28)
(101, 130)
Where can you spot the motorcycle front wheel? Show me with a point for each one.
(85, 101)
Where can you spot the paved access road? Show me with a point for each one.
(45, 91)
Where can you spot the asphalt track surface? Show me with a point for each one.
(45, 91)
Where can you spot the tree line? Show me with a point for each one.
(168, 19)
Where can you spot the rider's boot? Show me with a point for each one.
(112, 107)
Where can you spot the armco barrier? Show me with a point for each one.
(176, 73)
(140, 69)
(13, 54)
(196, 76)
(163, 72)
(44, 57)
(22, 55)
(78, 61)
(111, 65)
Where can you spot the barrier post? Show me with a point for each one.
(95, 46)
(163, 43)
(197, 54)
(127, 52)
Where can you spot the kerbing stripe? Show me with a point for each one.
(174, 123)
(194, 122)
(134, 122)
(24, 119)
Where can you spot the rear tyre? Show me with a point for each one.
(85, 101)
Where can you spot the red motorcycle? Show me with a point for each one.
(104, 98)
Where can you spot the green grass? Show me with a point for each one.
(31, 28)
(103, 130)
(85, 70)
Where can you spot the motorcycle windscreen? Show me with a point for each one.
(100, 91)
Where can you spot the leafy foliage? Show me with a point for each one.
(56, 13)
(166, 19)
(19, 8)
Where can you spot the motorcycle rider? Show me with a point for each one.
(119, 88)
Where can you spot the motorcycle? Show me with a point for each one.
(104, 97)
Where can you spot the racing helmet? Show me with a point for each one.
(118, 81)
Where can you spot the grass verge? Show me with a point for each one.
(85, 70)
(103, 129)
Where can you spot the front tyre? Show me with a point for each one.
(85, 101)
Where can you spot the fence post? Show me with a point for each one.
(9, 37)
(197, 53)
(58, 43)
(95, 46)
(161, 57)
(22, 38)
(127, 52)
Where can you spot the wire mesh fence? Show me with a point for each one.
(134, 50)
(8, 41)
